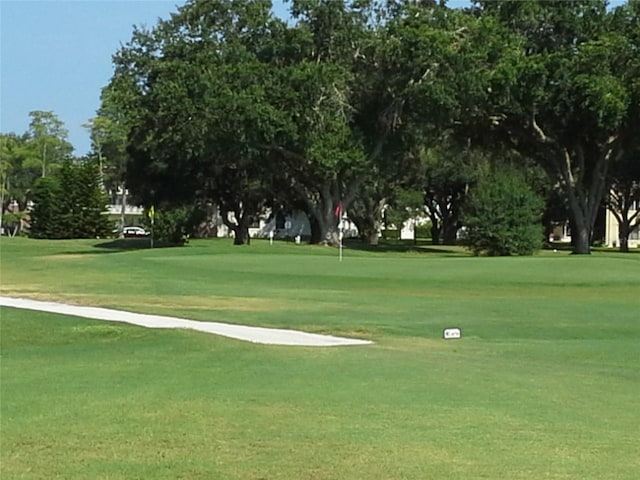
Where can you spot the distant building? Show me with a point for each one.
(133, 214)
(612, 230)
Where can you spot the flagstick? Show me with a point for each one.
(339, 213)
(341, 235)
(152, 216)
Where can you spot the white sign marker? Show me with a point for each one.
(451, 333)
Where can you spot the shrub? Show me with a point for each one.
(174, 225)
(502, 216)
(423, 231)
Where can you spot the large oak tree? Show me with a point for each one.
(565, 95)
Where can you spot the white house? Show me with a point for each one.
(283, 225)
(612, 231)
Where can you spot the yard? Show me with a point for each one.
(543, 384)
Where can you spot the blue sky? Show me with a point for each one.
(56, 55)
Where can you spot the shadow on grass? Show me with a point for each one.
(558, 246)
(121, 245)
(407, 246)
(568, 248)
(124, 244)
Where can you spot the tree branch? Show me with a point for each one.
(542, 136)
(285, 152)
(566, 171)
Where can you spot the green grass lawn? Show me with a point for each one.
(545, 382)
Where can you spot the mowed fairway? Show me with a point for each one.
(545, 382)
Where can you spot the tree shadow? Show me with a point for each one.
(124, 244)
(558, 246)
(406, 246)
(120, 245)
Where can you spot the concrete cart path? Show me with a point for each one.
(269, 336)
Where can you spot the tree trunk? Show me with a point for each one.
(331, 236)
(366, 214)
(624, 245)
(620, 204)
(100, 161)
(435, 231)
(240, 228)
(2, 189)
(623, 236)
(373, 239)
(316, 233)
(450, 231)
(241, 236)
(581, 227)
(449, 216)
(328, 226)
(44, 159)
(321, 212)
(123, 210)
(436, 225)
(585, 199)
(582, 171)
(581, 239)
(583, 217)
(368, 228)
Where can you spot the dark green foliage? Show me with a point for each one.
(391, 234)
(70, 204)
(446, 173)
(175, 225)
(12, 222)
(17, 177)
(423, 231)
(404, 205)
(349, 102)
(91, 202)
(502, 216)
(565, 95)
(46, 210)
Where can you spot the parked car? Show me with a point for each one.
(134, 232)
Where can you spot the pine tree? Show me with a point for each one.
(70, 204)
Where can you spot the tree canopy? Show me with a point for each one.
(224, 103)
(568, 95)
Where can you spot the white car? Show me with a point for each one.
(133, 232)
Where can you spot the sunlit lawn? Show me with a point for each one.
(544, 383)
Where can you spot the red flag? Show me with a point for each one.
(338, 211)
